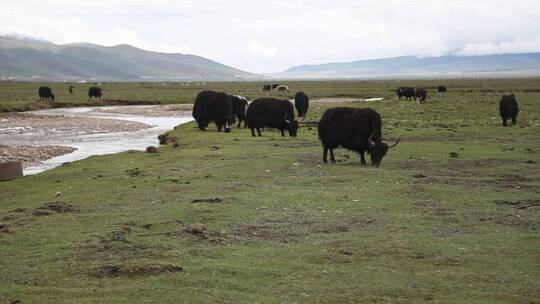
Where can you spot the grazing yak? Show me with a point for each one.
(213, 106)
(441, 89)
(406, 92)
(45, 93)
(94, 92)
(301, 103)
(421, 95)
(71, 89)
(508, 108)
(239, 105)
(271, 113)
(355, 129)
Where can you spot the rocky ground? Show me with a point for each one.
(152, 111)
(25, 123)
(33, 126)
(30, 155)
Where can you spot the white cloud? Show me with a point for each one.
(272, 35)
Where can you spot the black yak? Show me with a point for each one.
(508, 108)
(358, 130)
(94, 92)
(213, 106)
(45, 93)
(421, 95)
(267, 87)
(441, 89)
(71, 89)
(406, 92)
(239, 104)
(301, 103)
(271, 113)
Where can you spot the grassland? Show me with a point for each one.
(219, 218)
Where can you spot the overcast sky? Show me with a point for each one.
(271, 35)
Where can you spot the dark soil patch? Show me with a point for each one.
(58, 207)
(135, 172)
(196, 229)
(135, 271)
(18, 210)
(4, 228)
(39, 212)
(521, 204)
(432, 208)
(214, 200)
(165, 139)
(287, 230)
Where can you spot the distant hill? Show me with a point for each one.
(527, 63)
(27, 59)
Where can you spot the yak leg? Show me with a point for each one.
(282, 132)
(219, 128)
(253, 132)
(504, 121)
(514, 119)
(324, 155)
(332, 158)
(239, 122)
(259, 132)
(362, 159)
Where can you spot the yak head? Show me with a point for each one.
(292, 127)
(378, 150)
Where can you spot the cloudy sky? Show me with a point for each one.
(271, 35)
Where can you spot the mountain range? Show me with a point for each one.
(453, 66)
(32, 59)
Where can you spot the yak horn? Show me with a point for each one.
(395, 144)
(370, 140)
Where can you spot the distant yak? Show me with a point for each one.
(94, 92)
(45, 93)
(421, 95)
(282, 88)
(239, 105)
(301, 103)
(441, 89)
(406, 92)
(509, 109)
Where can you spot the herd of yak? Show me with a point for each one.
(355, 129)
(45, 93)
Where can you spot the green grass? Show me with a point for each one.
(290, 228)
